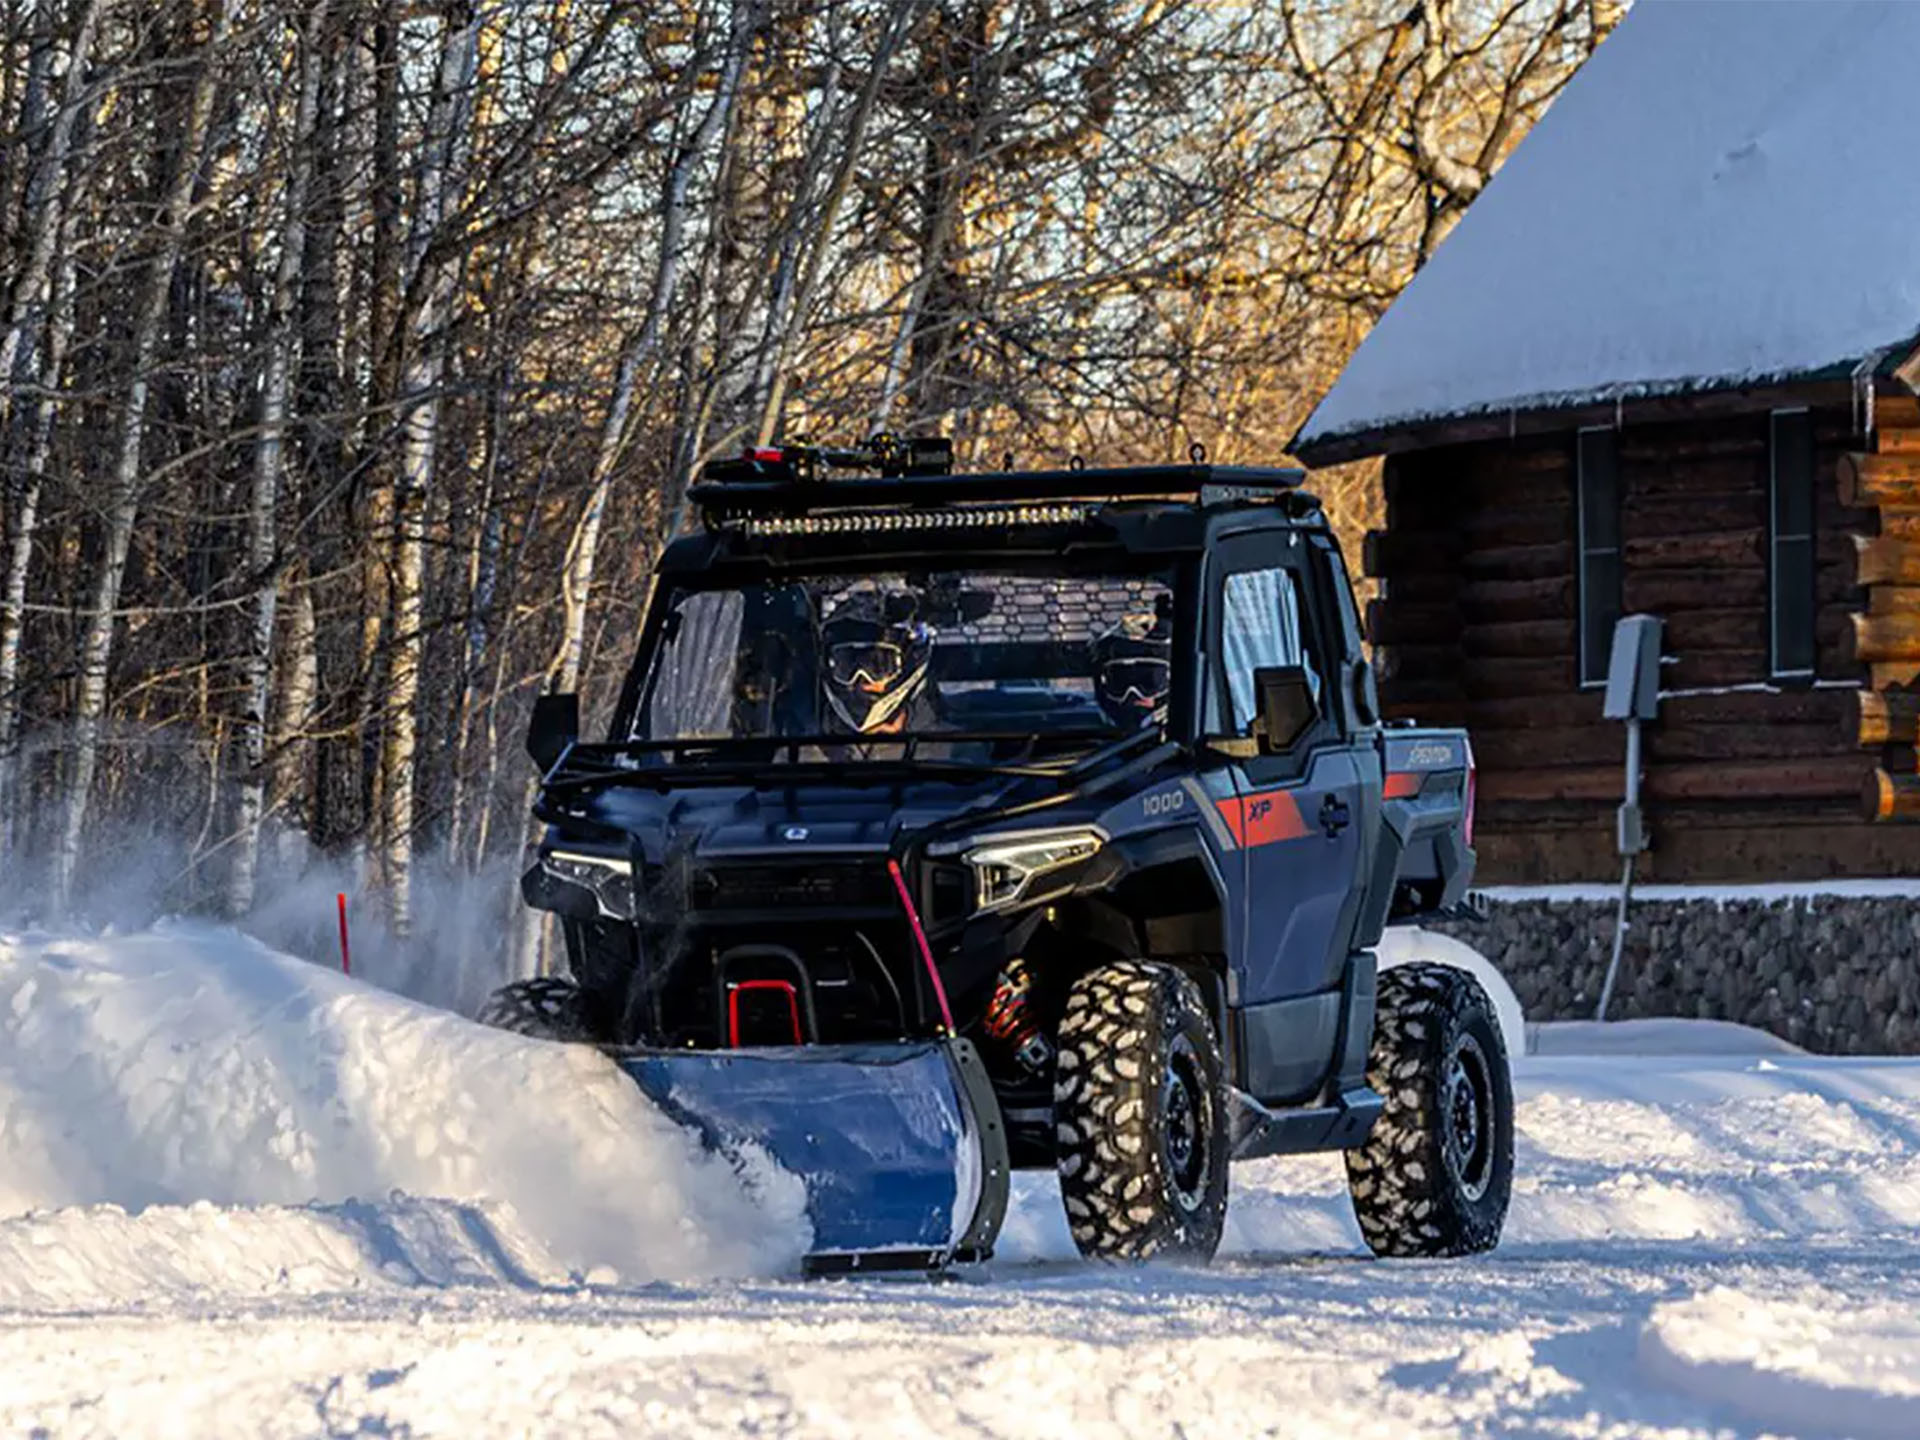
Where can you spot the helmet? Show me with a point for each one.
(1132, 666)
(874, 655)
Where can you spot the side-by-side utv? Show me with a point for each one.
(955, 823)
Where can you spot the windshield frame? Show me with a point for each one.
(1179, 573)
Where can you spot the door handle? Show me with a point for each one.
(1335, 815)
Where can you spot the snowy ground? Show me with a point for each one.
(1723, 1244)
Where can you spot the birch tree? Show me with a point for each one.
(124, 494)
(269, 462)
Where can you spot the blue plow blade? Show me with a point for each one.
(901, 1146)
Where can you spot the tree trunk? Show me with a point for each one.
(441, 171)
(26, 514)
(268, 463)
(124, 493)
(563, 674)
(44, 205)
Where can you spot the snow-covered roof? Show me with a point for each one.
(1726, 193)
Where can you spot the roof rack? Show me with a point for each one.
(768, 482)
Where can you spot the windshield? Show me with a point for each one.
(873, 656)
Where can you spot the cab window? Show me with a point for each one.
(1262, 624)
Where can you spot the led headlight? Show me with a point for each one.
(1006, 870)
(607, 877)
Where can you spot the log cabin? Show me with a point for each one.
(1667, 363)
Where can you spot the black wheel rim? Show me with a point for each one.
(1467, 1118)
(1186, 1124)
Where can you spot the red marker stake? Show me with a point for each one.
(346, 959)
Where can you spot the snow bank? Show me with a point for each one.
(189, 1063)
(1659, 1036)
(1824, 1363)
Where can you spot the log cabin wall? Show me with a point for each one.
(1745, 781)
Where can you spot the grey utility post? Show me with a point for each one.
(1633, 695)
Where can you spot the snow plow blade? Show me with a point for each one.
(901, 1146)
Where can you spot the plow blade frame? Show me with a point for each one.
(901, 1147)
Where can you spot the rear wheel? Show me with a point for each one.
(545, 1008)
(1140, 1117)
(1436, 1172)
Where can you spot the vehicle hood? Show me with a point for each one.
(767, 820)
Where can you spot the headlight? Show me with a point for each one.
(609, 878)
(1005, 870)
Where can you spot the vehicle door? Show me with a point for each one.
(1292, 812)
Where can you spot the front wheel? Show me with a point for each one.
(1140, 1121)
(544, 1008)
(1436, 1172)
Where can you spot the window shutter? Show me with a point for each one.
(1790, 538)
(1597, 480)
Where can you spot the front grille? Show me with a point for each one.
(815, 886)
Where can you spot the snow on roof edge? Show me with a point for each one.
(1882, 358)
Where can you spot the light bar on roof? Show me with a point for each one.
(956, 518)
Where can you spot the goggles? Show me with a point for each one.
(868, 662)
(1140, 681)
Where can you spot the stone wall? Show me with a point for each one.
(1833, 973)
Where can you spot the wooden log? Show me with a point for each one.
(1880, 479)
(1386, 553)
(1894, 600)
(1692, 515)
(1728, 629)
(1662, 592)
(1493, 527)
(1897, 440)
(1888, 717)
(1488, 602)
(1896, 411)
(1832, 709)
(1391, 622)
(1836, 777)
(1878, 638)
(1725, 547)
(1519, 562)
(1422, 587)
(1893, 674)
(1605, 743)
(1487, 678)
(1887, 559)
(1679, 447)
(1520, 638)
(1890, 796)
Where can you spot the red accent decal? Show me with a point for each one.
(920, 939)
(733, 1007)
(1403, 783)
(1263, 818)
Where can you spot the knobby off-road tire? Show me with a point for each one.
(546, 1008)
(1437, 1170)
(1140, 1121)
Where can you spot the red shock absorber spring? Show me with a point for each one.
(1009, 1017)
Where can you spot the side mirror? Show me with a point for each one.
(1366, 693)
(1287, 709)
(554, 726)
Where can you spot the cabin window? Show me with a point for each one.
(1790, 555)
(1597, 478)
